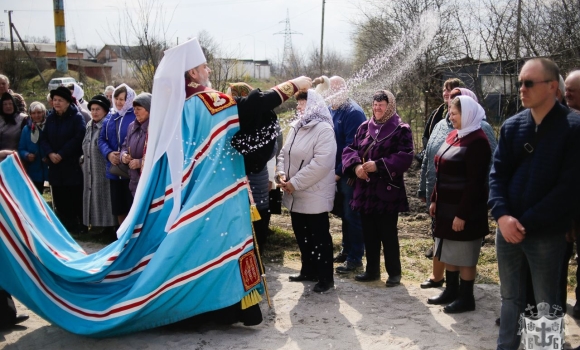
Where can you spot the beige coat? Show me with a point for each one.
(307, 159)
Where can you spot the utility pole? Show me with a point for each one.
(322, 38)
(10, 27)
(518, 29)
(60, 37)
(28, 53)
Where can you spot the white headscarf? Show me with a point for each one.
(471, 116)
(78, 92)
(316, 109)
(128, 100)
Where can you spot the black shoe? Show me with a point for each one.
(576, 310)
(432, 284)
(21, 318)
(323, 287)
(429, 253)
(339, 258)
(451, 291)
(367, 277)
(349, 267)
(393, 281)
(300, 278)
(497, 321)
(448, 296)
(465, 301)
(460, 305)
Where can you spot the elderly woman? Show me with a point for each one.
(11, 122)
(97, 210)
(306, 175)
(61, 140)
(382, 150)
(428, 176)
(29, 148)
(4, 84)
(459, 202)
(111, 139)
(134, 145)
(109, 93)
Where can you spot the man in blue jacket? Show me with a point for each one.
(347, 116)
(533, 194)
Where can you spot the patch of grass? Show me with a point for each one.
(280, 247)
(414, 265)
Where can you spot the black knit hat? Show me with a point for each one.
(62, 92)
(101, 100)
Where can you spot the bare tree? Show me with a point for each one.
(147, 28)
(37, 39)
(382, 27)
(225, 66)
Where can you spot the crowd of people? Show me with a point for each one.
(73, 144)
(336, 159)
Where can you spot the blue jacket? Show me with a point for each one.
(347, 118)
(542, 190)
(64, 135)
(110, 140)
(37, 170)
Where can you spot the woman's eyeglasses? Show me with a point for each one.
(530, 83)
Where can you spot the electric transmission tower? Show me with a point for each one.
(288, 51)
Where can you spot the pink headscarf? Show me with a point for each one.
(467, 92)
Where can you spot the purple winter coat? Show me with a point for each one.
(134, 145)
(392, 153)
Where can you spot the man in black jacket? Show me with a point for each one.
(533, 194)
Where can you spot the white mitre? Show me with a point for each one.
(168, 97)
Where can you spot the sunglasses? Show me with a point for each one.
(530, 83)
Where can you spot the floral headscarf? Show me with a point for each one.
(316, 109)
(36, 127)
(128, 100)
(386, 95)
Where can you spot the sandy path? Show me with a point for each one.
(353, 316)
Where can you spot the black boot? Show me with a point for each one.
(451, 289)
(465, 301)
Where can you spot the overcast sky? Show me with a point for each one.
(245, 26)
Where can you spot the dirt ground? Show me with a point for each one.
(352, 316)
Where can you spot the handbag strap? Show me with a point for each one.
(368, 149)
